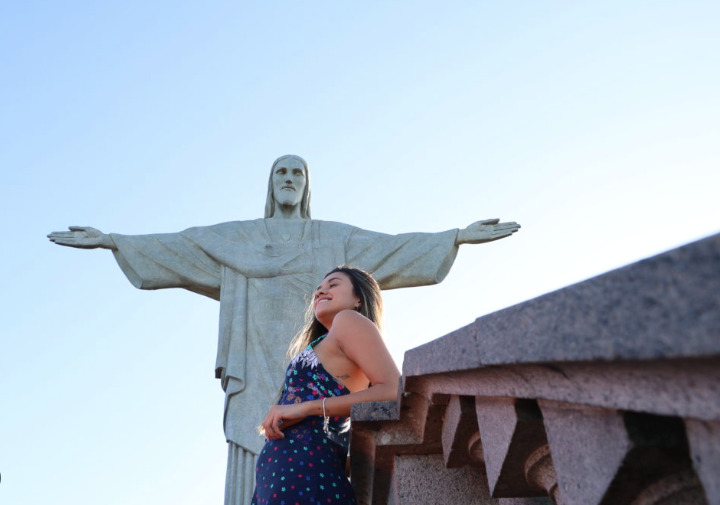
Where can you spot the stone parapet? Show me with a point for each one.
(606, 392)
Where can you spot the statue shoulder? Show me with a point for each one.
(226, 229)
(232, 229)
(334, 226)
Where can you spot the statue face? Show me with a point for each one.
(289, 182)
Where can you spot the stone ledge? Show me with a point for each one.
(666, 306)
(602, 393)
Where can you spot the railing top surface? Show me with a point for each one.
(663, 307)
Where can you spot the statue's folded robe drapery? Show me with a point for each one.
(264, 286)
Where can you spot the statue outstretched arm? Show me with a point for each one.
(486, 230)
(83, 237)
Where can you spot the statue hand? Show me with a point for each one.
(83, 237)
(486, 230)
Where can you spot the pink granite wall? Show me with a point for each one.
(606, 392)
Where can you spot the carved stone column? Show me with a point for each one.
(540, 472)
(678, 489)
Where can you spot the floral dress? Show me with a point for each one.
(307, 467)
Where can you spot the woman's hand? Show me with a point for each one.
(281, 417)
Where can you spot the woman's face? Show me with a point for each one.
(335, 293)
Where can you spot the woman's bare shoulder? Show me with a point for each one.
(349, 317)
(351, 323)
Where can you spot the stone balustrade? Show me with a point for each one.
(606, 392)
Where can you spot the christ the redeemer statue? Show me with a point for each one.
(263, 272)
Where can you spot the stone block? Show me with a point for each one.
(423, 479)
(704, 439)
(608, 457)
(525, 501)
(459, 425)
(588, 446)
(511, 429)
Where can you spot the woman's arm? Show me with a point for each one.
(361, 342)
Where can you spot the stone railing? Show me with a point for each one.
(606, 392)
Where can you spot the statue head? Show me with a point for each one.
(289, 185)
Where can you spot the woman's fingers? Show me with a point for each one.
(272, 423)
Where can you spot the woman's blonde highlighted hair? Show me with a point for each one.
(364, 287)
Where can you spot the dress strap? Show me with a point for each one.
(317, 340)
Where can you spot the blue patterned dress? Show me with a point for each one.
(307, 467)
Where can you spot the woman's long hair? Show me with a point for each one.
(364, 287)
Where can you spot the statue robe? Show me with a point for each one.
(264, 273)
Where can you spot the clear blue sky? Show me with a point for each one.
(593, 124)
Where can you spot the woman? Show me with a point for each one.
(340, 359)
